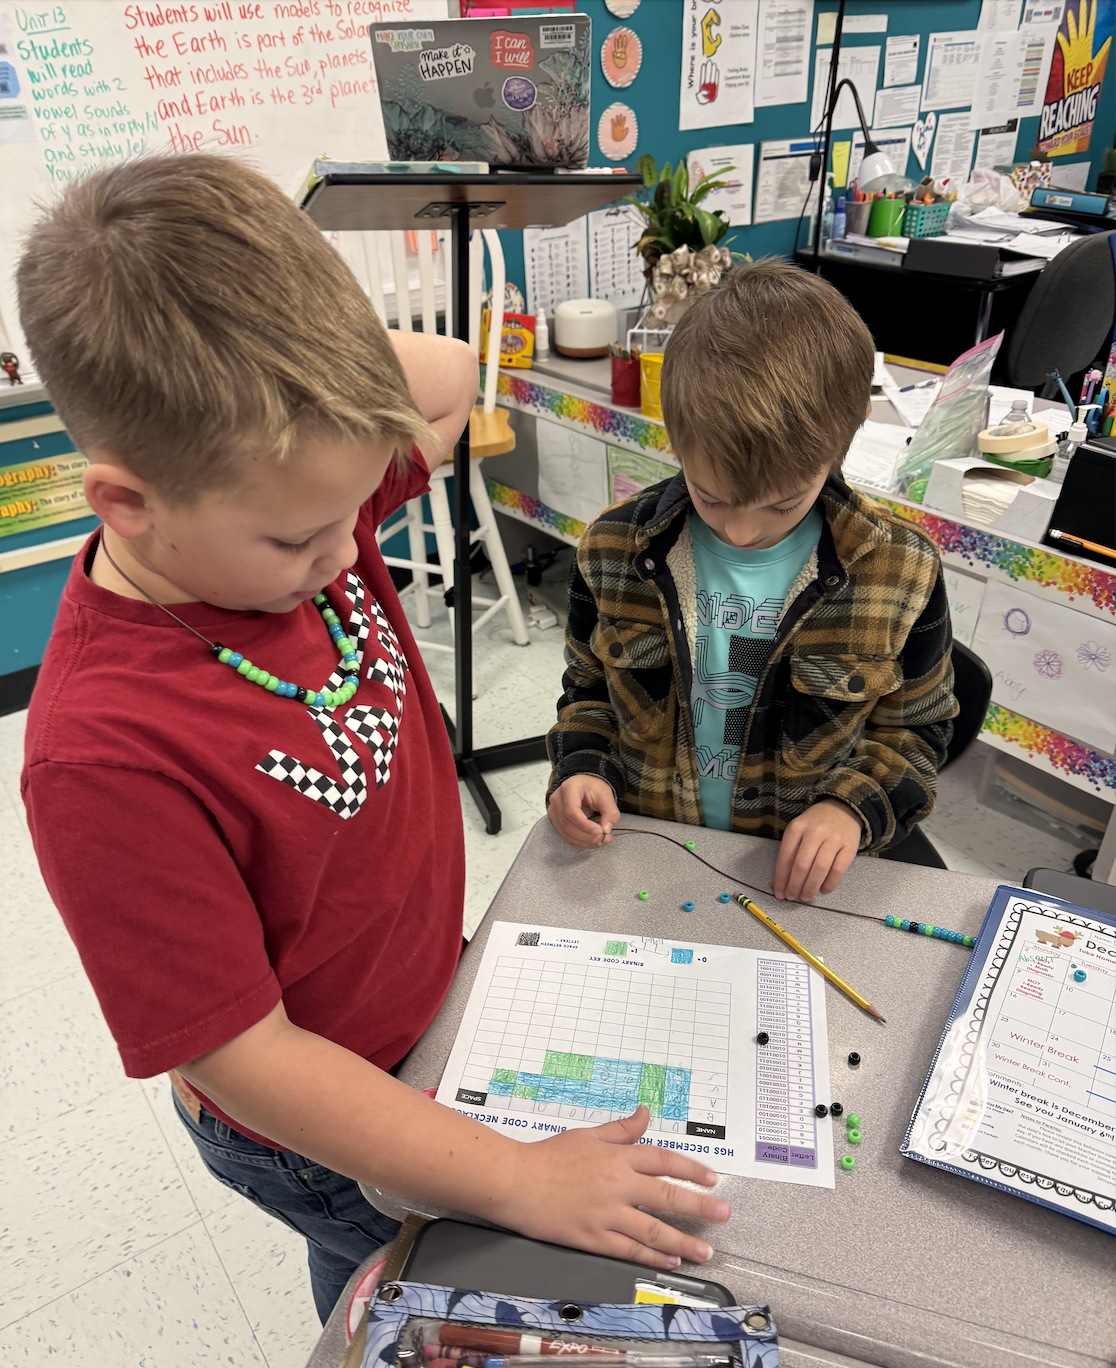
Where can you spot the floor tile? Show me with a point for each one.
(12, 727)
(83, 1194)
(37, 949)
(172, 1306)
(207, 1193)
(266, 1263)
(56, 1054)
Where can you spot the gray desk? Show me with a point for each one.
(901, 1266)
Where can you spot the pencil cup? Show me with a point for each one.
(650, 370)
(856, 216)
(886, 218)
(625, 381)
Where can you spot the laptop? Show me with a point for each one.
(512, 92)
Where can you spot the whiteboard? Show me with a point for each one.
(276, 84)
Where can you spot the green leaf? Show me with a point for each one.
(680, 185)
(707, 183)
(648, 170)
(713, 226)
(665, 173)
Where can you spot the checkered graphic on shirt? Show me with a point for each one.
(346, 795)
(376, 727)
(749, 655)
(736, 719)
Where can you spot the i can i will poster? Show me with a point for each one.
(1073, 89)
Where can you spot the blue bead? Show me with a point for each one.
(350, 659)
(687, 907)
(319, 699)
(235, 659)
(905, 924)
(887, 921)
(726, 897)
(352, 679)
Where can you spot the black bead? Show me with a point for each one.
(916, 927)
(762, 1038)
(300, 694)
(216, 649)
(854, 1059)
(836, 1108)
(821, 1109)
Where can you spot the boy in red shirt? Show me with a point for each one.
(261, 864)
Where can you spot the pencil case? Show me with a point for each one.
(405, 1317)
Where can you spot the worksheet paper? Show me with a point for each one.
(953, 150)
(965, 594)
(999, 75)
(914, 403)
(783, 52)
(1050, 663)
(718, 63)
(901, 59)
(573, 471)
(568, 1029)
(856, 64)
(555, 265)
(998, 15)
(864, 23)
(1022, 1090)
(896, 142)
(733, 164)
(896, 106)
(615, 270)
(1039, 43)
(951, 68)
(783, 180)
(996, 146)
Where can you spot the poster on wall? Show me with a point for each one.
(41, 493)
(718, 63)
(1073, 88)
(733, 165)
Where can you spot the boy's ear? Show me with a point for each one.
(120, 499)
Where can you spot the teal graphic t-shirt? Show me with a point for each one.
(740, 596)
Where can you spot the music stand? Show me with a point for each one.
(352, 202)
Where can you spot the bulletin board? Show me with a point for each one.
(654, 100)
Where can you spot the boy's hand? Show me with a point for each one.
(570, 806)
(584, 1188)
(816, 850)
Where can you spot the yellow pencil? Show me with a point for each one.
(799, 949)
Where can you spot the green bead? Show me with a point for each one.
(319, 599)
(329, 615)
(244, 667)
(853, 1136)
(272, 683)
(225, 656)
(344, 645)
(928, 930)
(262, 680)
(967, 941)
(643, 895)
(690, 845)
(852, 1119)
(848, 1162)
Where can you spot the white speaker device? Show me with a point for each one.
(584, 327)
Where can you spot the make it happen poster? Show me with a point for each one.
(1076, 76)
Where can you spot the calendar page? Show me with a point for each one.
(1022, 1092)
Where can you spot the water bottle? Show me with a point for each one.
(839, 219)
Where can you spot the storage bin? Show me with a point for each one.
(925, 220)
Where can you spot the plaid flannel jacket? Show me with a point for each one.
(854, 702)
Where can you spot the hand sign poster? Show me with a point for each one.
(718, 62)
(1073, 89)
(617, 132)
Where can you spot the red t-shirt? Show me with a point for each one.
(213, 849)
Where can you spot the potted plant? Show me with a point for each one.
(681, 243)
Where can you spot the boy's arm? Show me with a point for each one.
(582, 742)
(443, 377)
(890, 779)
(582, 1188)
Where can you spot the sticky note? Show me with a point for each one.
(841, 152)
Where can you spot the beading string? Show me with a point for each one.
(898, 923)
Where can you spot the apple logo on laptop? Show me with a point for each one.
(485, 96)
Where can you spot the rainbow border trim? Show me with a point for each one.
(609, 422)
(1058, 751)
(1011, 558)
(533, 509)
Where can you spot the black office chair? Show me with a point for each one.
(1068, 314)
(972, 687)
(1101, 897)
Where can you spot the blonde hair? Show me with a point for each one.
(182, 311)
(766, 379)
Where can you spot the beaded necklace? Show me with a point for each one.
(315, 698)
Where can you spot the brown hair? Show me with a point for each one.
(182, 310)
(766, 378)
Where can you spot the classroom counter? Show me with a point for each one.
(900, 1265)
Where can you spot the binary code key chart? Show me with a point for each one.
(572, 1029)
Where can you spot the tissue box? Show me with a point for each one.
(1029, 513)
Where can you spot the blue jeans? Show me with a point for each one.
(340, 1227)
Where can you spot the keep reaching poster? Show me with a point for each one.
(1073, 89)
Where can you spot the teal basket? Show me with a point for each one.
(925, 220)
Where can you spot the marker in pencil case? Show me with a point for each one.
(625, 1357)
(510, 1347)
